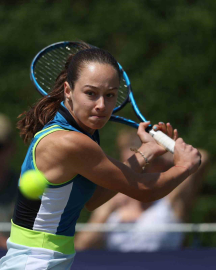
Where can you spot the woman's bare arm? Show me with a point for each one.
(184, 196)
(74, 153)
(102, 195)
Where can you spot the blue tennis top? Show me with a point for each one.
(57, 210)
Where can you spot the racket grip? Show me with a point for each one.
(163, 140)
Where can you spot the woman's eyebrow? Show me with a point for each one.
(95, 87)
(90, 86)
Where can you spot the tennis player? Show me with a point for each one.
(63, 130)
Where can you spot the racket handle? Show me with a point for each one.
(163, 140)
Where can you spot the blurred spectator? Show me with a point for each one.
(173, 209)
(8, 178)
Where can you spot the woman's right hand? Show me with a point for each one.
(186, 156)
(155, 148)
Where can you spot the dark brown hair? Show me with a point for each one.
(45, 109)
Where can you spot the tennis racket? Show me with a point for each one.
(50, 61)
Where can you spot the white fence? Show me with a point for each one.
(182, 227)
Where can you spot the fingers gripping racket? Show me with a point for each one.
(50, 61)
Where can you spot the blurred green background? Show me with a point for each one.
(166, 47)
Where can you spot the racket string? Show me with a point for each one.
(51, 63)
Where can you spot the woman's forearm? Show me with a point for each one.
(140, 159)
(100, 196)
(158, 185)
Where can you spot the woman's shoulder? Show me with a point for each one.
(65, 140)
(59, 153)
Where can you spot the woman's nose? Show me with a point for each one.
(100, 104)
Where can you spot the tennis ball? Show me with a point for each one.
(32, 184)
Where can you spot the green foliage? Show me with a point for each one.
(166, 47)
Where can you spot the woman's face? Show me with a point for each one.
(94, 96)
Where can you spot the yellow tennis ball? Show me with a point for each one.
(32, 184)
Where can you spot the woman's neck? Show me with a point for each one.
(83, 127)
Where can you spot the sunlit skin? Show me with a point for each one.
(62, 155)
(94, 96)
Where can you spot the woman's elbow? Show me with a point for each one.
(144, 196)
(148, 194)
(89, 208)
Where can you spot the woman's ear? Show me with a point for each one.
(67, 90)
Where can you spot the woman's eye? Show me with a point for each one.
(90, 93)
(110, 95)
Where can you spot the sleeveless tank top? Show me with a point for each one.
(50, 221)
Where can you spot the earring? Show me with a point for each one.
(68, 99)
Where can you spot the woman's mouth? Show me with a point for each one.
(99, 116)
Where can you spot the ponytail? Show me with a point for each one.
(44, 110)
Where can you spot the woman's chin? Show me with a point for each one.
(98, 124)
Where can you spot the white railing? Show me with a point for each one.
(181, 227)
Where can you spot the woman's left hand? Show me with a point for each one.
(167, 129)
(146, 138)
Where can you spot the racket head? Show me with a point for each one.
(50, 61)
